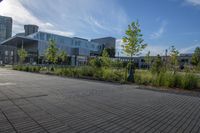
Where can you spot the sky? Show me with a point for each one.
(163, 22)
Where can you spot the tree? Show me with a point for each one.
(174, 57)
(148, 59)
(62, 56)
(157, 65)
(95, 62)
(196, 57)
(51, 52)
(22, 53)
(133, 40)
(133, 44)
(106, 62)
(111, 52)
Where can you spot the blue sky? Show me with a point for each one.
(163, 22)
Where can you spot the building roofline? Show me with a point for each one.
(6, 16)
(22, 37)
(62, 36)
(104, 38)
(50, 33)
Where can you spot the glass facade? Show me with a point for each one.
(65, 43)
(5, 28)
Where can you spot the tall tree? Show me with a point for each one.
(51, 52)
(22, 53)
(133, 44)
(196, 57)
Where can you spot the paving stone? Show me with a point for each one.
(41, 103)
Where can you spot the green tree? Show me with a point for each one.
(62, 56)
(51, 52)
(22, 53)
(106, 62)
(95, 62)
(174, 53)
(196, 57)
(133, 43)
(157, 65)
(148, 59)
(111, 52)
(133, 40)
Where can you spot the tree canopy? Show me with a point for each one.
(133, 40)
(22, 53)
(51, 52)
(106, 62)
(62, 56)
(196, 57)
(174, 56)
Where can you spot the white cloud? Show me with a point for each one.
(87, 18)
(189, 49)
(154, 49)
(193, 2)
(22, 16)
(160, 32)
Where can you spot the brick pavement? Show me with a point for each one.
(41, 103)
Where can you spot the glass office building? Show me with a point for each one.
(5, 28)
(73, 46)
(37, 43)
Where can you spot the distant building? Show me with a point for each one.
(36, 44)
(183, 59)
(106, 42)
(30, 29)
(5, 28)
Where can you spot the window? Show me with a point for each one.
(11, 53)
(6, 59)
(41, 36)
(6, 53)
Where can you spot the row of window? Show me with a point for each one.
(6, 53)
(67, 41)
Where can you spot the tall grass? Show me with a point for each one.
(168, 79)
(144, 77)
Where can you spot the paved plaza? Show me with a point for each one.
(40, 103)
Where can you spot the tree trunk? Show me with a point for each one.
(131, 71)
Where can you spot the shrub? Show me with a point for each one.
(112, 75)
(157, 65)
(95, 62)
(58, 71)
(143, 77)
(168, 79)
(87, 71)
(190, 81)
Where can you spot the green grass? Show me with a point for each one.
(144, 77)
(168, 79)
